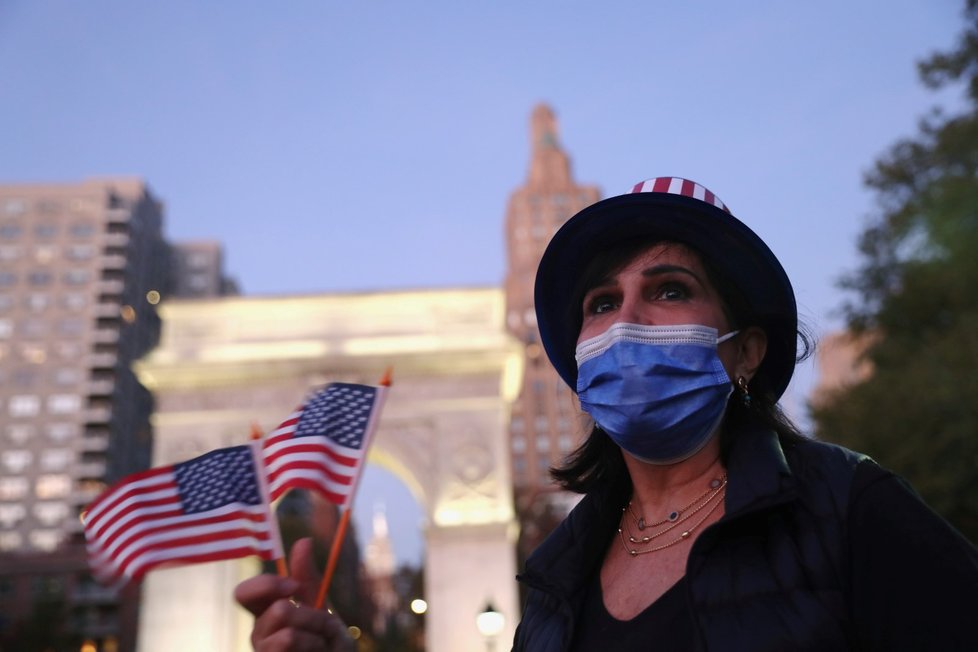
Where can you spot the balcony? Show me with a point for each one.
(91, 470)
(98, 415)
(116, 239)
(112, 286)
(108, 310)
(113, 262)
(106, 336)
(103, 360)
(101, 387)
(95, 443)
(118, 214)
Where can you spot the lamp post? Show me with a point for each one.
(490, 623)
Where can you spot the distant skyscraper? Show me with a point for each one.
(81, 267)
(379, 567)
(198, 270)
(546, 422)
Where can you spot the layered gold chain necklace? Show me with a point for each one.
(709, 501)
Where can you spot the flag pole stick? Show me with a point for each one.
(334, 555)
(280, 567)
(334, 552)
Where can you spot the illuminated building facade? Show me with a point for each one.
(546, 423)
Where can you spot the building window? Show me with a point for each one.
(39, 278)
(541, 424)
(34, 328)
(25, 377)
(63, 431)
(565, 443)
(45, 540)
(15, 207)
(45, 230)
(55, 459)
(50, 513)
(75, 301)
(33, 353)
(82, 230)
(543, 444)
(6, 328)
(10, 515)
(16, 461)
(10, 540)
(37, 301)
(77, 276)
(45, 253)
(69, 350)
(10, 231)
(71, 326)
(53, 486)
(81, 251)
(24, 405)
(13, 488)
(64, 403)
(9, 253)
(7, 279)
(67, 376)
(6, 301)
(519, 444)
(18, 433)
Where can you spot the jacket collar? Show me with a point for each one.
(759, 476)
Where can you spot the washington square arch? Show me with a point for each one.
(224, 364)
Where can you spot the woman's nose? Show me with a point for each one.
(631, 312)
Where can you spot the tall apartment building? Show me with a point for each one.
(81, 267)
(198, 270)
(546, 422)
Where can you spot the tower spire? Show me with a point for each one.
(549, 164)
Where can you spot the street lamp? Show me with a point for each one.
(490, 623)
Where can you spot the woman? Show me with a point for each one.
(708, 522)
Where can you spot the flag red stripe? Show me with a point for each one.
(147, 528)
(151, 482)
(316, 445)
(134, 552)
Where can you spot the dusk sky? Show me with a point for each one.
(371, 144)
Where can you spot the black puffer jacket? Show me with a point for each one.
(806, 557)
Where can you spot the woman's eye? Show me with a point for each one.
(600, 305)
(672, 292)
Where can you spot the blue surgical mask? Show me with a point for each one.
(658, 391)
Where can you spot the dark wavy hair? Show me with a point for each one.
(599, 460)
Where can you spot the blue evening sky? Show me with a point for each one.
(337, 145)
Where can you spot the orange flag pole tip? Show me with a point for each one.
(388, 374)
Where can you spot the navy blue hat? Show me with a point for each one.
(675, 210)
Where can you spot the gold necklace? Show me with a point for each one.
(715, 485)
(713, 497)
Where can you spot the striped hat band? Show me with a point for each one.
(679, 186)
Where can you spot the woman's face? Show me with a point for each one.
(662, 285)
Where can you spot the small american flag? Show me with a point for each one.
(321, 446)
(206, 509)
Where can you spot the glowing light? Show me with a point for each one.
(88, 646)
(128, 314)
(419, 606)
(153, 297)
(355, 632)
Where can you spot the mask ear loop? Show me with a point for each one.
(724, 338)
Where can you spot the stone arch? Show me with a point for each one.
(224, 363)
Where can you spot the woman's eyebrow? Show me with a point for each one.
(656, 270)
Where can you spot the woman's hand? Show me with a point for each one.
(285, 618)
